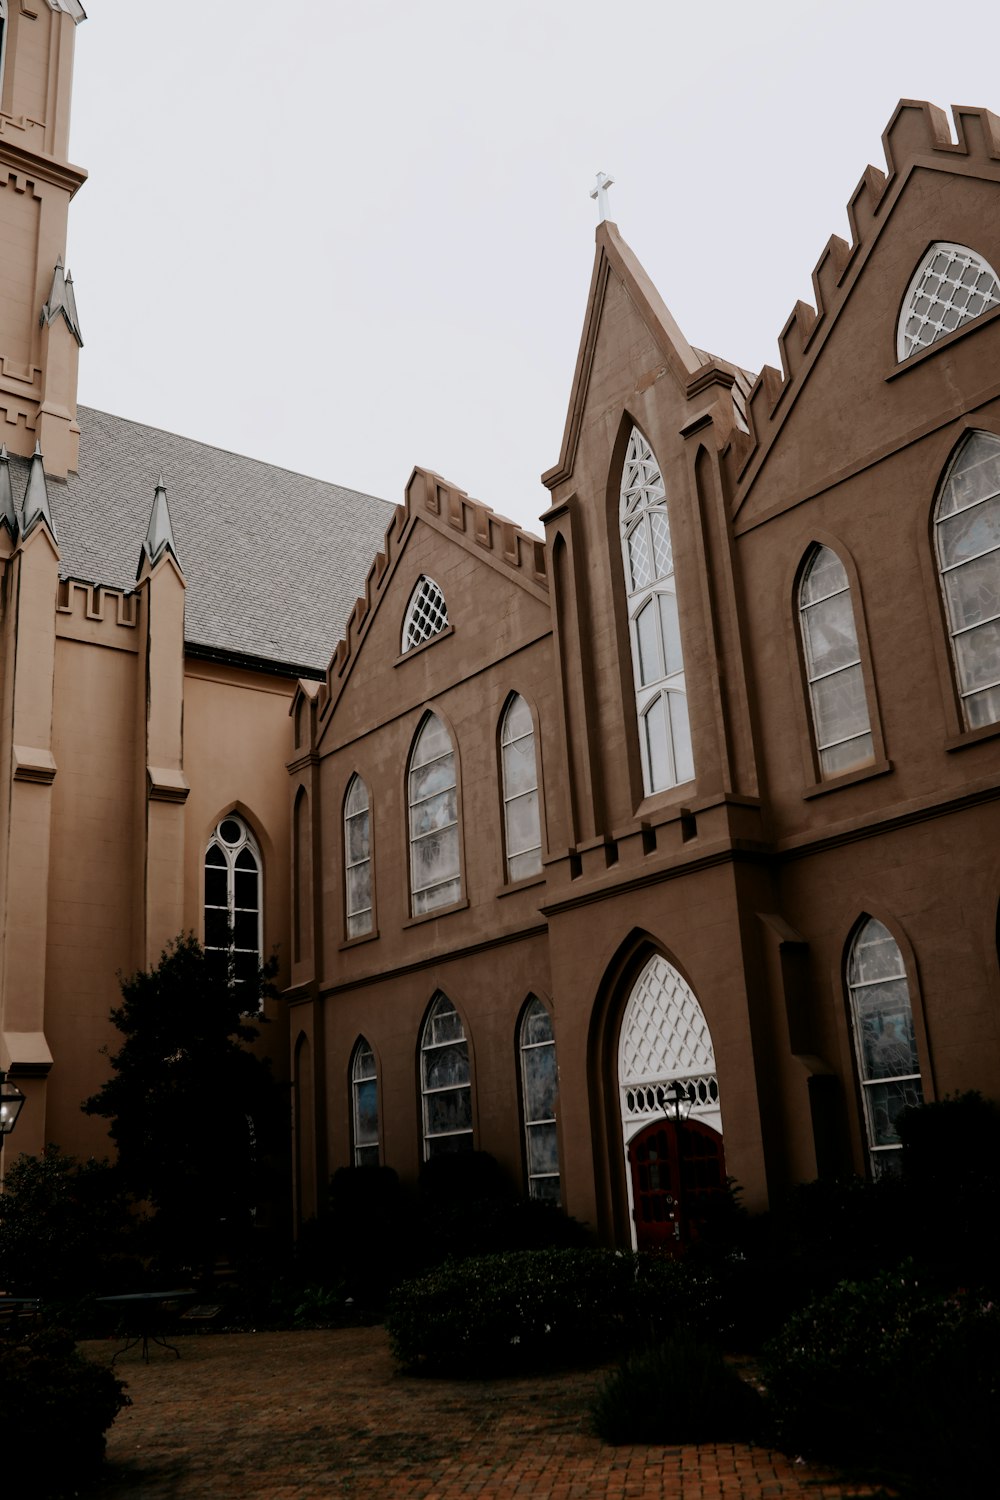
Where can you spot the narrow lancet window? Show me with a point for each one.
(445, 1081)
(233, 900)
(654, 626)
(432, 794)
(839, 703)
(885, 1046)
(967, 533)
(522, 826)
(364, 1098)
(539, 1095)
(357, 859)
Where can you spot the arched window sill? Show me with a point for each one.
(972, 736)
(431, 640)
(849, 778)
(943, 343)
(355, 942)
(440, 911)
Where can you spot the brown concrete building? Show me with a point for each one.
(690, 806)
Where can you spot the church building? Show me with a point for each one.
(656, 849)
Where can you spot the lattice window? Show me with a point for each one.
(445, 1081)
(426, 614)
(522, 826)
(654, 624)
(841, 724)
(432, 791)
(233, 906)
(539, 1096)
(364, 1105)
(952, 285)
(357, 859)
(967, 533)
(885, 1045)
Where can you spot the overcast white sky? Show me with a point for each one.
(348, 236)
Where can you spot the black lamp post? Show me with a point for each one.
(11, 1100)
(676, 1103)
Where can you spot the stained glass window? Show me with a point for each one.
(885, 1046)
(364, 1097)
(654, 625)
(445, 1081)
(951, 286)
(967, 531)
(841, 726)
(522, 828)
(539, 1095)
(233, 906)
(357, 859)
(426, 614)
(435, 873)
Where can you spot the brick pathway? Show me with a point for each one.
(272, 1416)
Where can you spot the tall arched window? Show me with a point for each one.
(233, 905)
(522, 828)
(445, 1080)
(3, 42)
(539, 1094)
(357, 859)
(364, 1105)
(657, 656)
(841, 726)
(426, 614)
(885, 1046)
(432, 795)
(951, 286)
(967, 533)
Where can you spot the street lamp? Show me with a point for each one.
(11, 1100)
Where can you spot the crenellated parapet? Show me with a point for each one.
(500, 542)
(917, 135)
(99, 616)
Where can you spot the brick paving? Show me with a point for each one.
(293, 1416)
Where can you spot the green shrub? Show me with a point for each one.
(892, 1375)
(680, 1391)
(536, 1309)
(55, 1408)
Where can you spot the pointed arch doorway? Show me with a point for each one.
(675, 1169)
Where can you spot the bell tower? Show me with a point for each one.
(39, 329)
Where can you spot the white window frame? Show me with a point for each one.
(364, 1070)
(426, 614)
(441, 1008)
(360, 919)
(540, 1183)
(231, 850)
(908, 343)
(521, 863)
(881, 1155)
(660, 687)
(969, 691)
(827, 745)
(435, 894)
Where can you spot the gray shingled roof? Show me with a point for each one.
(273, 560)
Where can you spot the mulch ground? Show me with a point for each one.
(271, 1416)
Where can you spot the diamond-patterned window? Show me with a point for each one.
(665, 1037)
(841, 725)
(364, 1102)
(426, 614)
(654, 625)
(951, 286)
(967, 533)
(885, 1045)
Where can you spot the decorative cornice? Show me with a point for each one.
(31, 764)
(167, 784)
(39, 164)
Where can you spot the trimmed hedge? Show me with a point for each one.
(537, 1309)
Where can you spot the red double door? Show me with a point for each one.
(677, 1171)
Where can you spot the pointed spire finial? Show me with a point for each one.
(600, 192)
(159, 532)
(62, 299)
(36, 498)
(8, 514)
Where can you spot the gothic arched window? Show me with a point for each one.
(432, 797)
(885, 1046)
(357, 859)
(539, 1095)
(233, 905)
(841, 725)
(445, 1080)
(951, 286)
(364, 1105)
(426, 614)
(654, 628)
(519, 768)
(967, 534)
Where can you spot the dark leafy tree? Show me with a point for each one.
(194, 1112)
